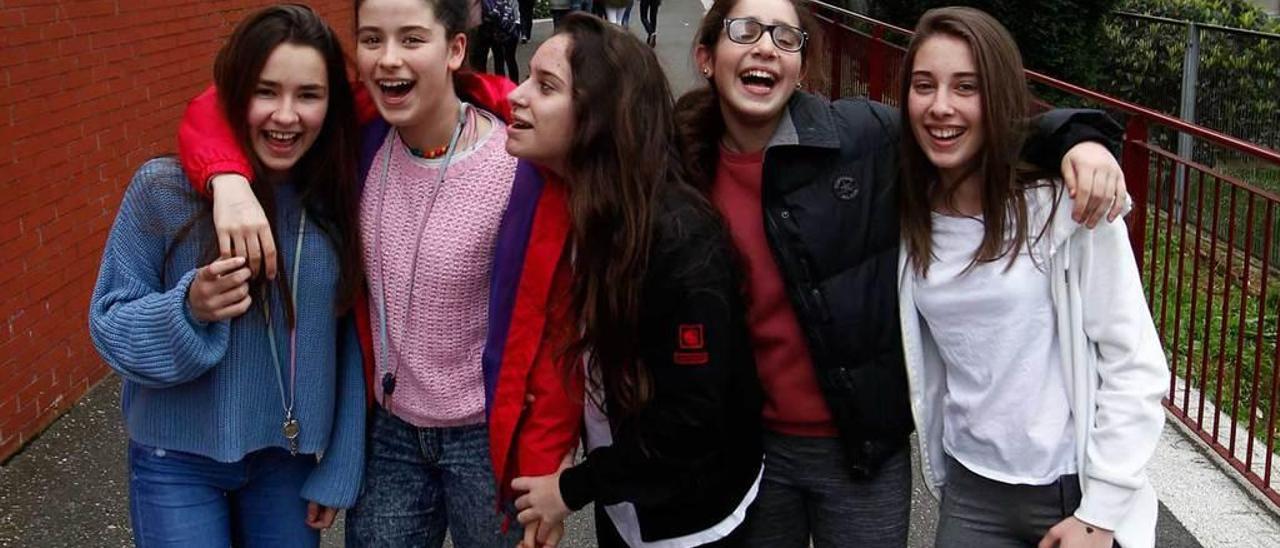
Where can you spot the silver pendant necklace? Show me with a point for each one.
(291, 429)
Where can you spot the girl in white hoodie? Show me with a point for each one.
(1035, 370)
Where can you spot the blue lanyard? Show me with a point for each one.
(389, 377)
(291, 428)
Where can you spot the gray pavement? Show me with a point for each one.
(68, 487)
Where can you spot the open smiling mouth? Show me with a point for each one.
(758, 81)
(396, 89)
(946, 135)
(282, 139)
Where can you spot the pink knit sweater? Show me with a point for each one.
(436, 327)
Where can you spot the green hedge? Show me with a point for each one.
(1239, 88)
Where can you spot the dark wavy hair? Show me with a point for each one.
(621, 160)
(699, 121)
(1006, 104)
(326, 174)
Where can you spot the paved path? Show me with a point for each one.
(67, 488)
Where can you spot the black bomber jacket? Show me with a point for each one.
(686, 460)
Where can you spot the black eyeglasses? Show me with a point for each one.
(748, 31)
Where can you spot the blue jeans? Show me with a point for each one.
(808, 498)
(418, 482)
(181, 499)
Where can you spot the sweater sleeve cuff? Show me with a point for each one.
(222, 167)
(1104, 504)
(198, 339)
(335, 481)
(329, 486)
(575, 487)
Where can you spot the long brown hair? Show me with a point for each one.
(620, 159)
(699, 121)
(325, 176)
(1005, 103)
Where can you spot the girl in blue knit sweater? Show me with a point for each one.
(244, 398)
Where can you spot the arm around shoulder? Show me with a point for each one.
(206, 143)
(1056, 131)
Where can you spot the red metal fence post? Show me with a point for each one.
(1136, 160)
(875, 59)
(837, 40)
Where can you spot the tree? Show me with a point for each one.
(1057, 37)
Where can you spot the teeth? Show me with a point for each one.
(945, 133)
(758, 74)
(281, 136)
(394, 83)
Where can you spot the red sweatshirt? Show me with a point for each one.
(793, 403)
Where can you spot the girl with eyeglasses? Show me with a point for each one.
(808, 188)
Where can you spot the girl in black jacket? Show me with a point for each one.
(809, 189)
(672, 413)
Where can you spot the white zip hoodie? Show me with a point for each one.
(1113, 364)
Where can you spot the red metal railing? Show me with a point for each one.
(1207, 239)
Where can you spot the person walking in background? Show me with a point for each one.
(1037, 369)
(498, 33)
(526, 24)
(559, 9)
(649, 18)
(617, 11)
(234, 384)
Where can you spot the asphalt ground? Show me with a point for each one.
(69, 486)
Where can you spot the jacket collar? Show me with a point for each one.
(807, 122)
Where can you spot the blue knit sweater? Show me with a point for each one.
(211, 389)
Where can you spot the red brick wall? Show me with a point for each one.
(89, 89)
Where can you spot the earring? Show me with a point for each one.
(799, 85)
(706, 72)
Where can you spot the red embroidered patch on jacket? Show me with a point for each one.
(691, 337)
(691, 343)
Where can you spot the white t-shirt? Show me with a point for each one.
(1006, 414)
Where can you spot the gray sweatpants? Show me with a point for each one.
(807, 492)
